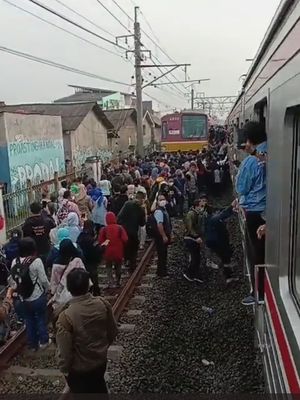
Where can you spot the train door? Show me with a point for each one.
(261, 111)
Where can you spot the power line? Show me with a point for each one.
(83, 17)
(181, 93)
(63, 29)
(122, 9)
(36, 2)
(125, 12)
(59, 66)
(113, 15)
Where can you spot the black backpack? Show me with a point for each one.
(151, 226)
(4, 271)
(20, 274)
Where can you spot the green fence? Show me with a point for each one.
(16, 204)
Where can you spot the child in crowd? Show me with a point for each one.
(114, 252)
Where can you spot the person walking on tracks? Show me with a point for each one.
(29, 280)
(162, 234)
(131, 217)
(85, 330)
(115, 237)
(193, 242)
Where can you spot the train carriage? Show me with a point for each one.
(271, 94)
(184, 131)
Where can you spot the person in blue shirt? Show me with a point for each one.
(251, 189)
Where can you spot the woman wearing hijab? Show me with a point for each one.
(83, 201)
(92, 252)
(99, 209)
(73, 226)
(68, 259)
(62, 233)
(154, 175)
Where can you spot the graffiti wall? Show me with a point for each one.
(34, 148)
(89, 139)
(35, 160)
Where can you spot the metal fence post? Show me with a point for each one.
(56, 182)
(30, 191)
(3, 237)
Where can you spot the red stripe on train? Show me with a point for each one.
(288, 362)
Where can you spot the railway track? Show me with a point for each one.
(11, 354)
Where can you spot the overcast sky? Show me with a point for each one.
(215, 36)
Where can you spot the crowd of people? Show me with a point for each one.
(55, 258)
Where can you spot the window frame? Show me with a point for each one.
(205, 137)
(294, 269)
(165, 133)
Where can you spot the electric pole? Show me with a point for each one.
(138, 84)
(192, 98)
(138, 51)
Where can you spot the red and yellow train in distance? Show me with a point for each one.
(184, 131)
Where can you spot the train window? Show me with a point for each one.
(165, 130)
(295, 213)
(194, 126)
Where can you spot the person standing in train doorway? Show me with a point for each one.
(251, 188)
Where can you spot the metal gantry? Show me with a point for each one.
(214, 105)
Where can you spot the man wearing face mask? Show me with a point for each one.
(162, 235)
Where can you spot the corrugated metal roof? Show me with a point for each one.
(81, 97)
(118, 117)
(71, 114)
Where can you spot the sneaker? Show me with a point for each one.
(232, 279)
(188, 278)
(199, 280)
(248, 301)
(45, 345)
(212, 265)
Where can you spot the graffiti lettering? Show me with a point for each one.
(36, 173)
(18, 148)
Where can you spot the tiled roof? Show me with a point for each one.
(71, 114)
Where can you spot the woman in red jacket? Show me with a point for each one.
(114, 252)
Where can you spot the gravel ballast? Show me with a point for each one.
(177, 347)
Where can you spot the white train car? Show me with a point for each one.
(271, 93)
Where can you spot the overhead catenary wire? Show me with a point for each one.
(59, 66)
(64, 30)
(52, 11)
(85, 18)
(113, 15)
(146, 34)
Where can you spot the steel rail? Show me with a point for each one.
(13, 346)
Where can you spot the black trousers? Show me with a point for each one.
(93, 271)
(87, 382)
(180, 205)
(223, 250)
(194, 249)
(255, 247)
(131, 250)
(162, 255)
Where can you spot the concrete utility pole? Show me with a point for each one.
(138, 84)
(192, 98)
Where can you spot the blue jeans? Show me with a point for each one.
(35, 313)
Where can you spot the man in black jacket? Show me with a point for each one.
(118, 200)
(132, 217)
(38, 229)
